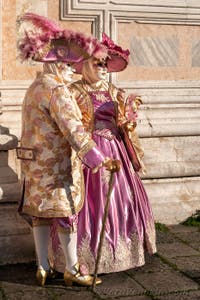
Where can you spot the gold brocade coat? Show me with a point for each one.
(53, 146)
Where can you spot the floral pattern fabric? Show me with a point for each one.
(53, 130)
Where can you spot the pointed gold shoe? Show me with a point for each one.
(85, 280)
(41, 276)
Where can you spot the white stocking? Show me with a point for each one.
(69, 246)
(41, 235)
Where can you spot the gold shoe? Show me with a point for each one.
(79, 277)
(41, 276)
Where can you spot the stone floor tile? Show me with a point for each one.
(189, 237)
(165, 237)
(73, 294)
(152, 264)
(189, 265)
(16, 291)
(182, 228)
(192, 295)
(118, 284)
(134, 298)
(165, 282)
(175, 250)
(195, 245)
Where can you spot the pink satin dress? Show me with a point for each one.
(130, 225)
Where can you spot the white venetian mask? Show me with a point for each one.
(102, 73)
(67, 72)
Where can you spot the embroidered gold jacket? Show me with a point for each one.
(53, 146)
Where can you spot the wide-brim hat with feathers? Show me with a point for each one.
(118, 58)
(45, 41)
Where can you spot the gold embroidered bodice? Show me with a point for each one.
(81, 90)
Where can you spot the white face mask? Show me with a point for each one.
(67, 72)
(102, 73)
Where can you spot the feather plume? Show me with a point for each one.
(100, 52)
(114, 48)
(41, 22)
(43, 31)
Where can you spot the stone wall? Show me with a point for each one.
(164, 69)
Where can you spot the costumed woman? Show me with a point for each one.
(108, 117)
(54, 143)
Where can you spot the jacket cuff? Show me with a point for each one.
(93, 158)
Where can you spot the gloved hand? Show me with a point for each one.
(129, 126)
(112, 165)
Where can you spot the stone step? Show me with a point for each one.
(16, 249)
(16, 240)
(11, 222)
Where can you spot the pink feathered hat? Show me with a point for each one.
(47, 42)
(117, 59)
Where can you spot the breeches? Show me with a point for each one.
(68, 224)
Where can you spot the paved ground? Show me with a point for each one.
(172, 274)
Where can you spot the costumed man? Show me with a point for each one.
(129, 228)
(54, 143)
